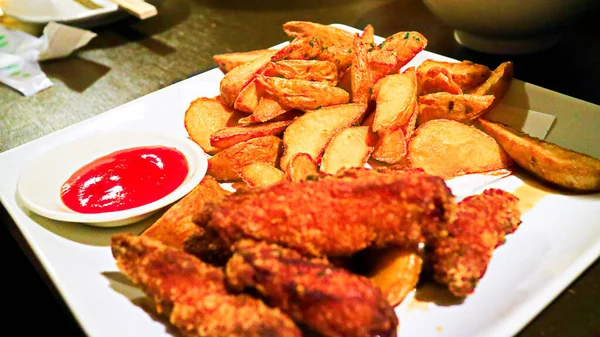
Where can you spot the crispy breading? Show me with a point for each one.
(337, 216)
(328, 300)
(461, 259)
(193, 294)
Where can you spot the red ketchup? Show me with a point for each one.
(125, 179)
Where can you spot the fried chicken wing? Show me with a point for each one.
(334, 216)
(461, 259)
(193, 294)
(326, 299)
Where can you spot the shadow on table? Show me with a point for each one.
(76, 73)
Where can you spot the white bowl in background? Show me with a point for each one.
(508, 26)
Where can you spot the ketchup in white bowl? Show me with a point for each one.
(111, 179)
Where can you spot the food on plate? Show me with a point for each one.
(551, 163)
(497, 83)
(391, 148)
(395, 100)
(329, 300)
(227, 164)
(437, 79)
(237, 78)
(348, 148)
(465, 74)
(458, 107)
(230, 136)
(395, 271)
(175, 225)
(302, 94)
(460, 259)
(330, 35)
(268, 109)
(193, 294)
(311, 132)
(301, 167)
(261, 175)
(205, 116)
(327, 217)
(360, 75)
(448, 149)
(404, 45)
(368, 35)
(310, 70)
(228, 61)
(247, 99)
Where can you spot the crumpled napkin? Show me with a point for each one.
(20, 54)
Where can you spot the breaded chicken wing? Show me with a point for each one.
(193, 294)
(328, 300)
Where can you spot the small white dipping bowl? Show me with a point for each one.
(508, 26)
(40, 182)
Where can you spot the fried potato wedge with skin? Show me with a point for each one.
(235, 80)
(261, 175)
(230, 136)
(381, 63)
(498, 82)
(228, 61)
(301, 166)
(227, 164)
(205, 116)
(311, 132)
(465, 74)
(247, 99)
(437, 79)
(395, 272)
(330, 35)
(449, 149)
(303, 95)
(175, 225)
(462, 107)
(395, 100)
(406, 46)
(552, 163)
(310, 70)
(391, 148)
(347, 149)
(304, 48)
(368, 36)
(360, 76)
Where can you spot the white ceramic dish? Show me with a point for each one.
(39, 184)
(558, 239)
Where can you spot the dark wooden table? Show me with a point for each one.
(131, 58)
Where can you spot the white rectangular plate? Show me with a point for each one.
(557, 240)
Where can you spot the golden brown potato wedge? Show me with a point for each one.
(437, 79)
(230, 136)
(462, 107)
(261, 175)
(227, 164)
(395, 272)
(368, 36)
(498, 82)
(347, 149)
(311, 132)
(448, 149)
(330, 35)
(301, 166)
(303, 95)
(205, 116)
(340, 55)
(175, 225)
(395, 100)
(304, 48)
(381, 63)
(247, 99)
(310, 70)
(406, 46)
(235, 80)
(465, 74)
(269, 110)
(360, 76)
(410, 127)
(391, 147)
(228, 61)
(552, 163)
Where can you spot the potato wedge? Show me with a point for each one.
(269, 110)
(330, 35)
(205, 116)
(395, 272)
(235, 80)
(406, 46)
(462, 108)
(303, 95)
(498, 82)
(228, 61)
(230, 136)
(310, 70)
(360, 76)
(381, 63)
(304, 48)
(409, 128)
(552, 163)
(301, 166)
(437, 79)
(391, 147)
(247, 99)
(340, 55)
(368, 36)
(465, 74)
(395, 100)
(261, 175)
(311, 132)
(348, 148)
(448, 149)
(227, 164)
(175, 225)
